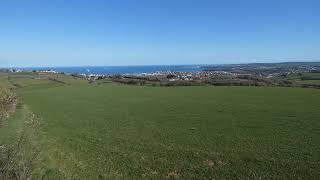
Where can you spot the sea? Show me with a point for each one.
(111, 70)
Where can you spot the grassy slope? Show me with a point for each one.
(303, 79)
(7, 132)
(195, 132)
(4, 83)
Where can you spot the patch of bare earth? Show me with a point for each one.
(212, 164)
(172, 175)
(149, 173)
(209, 163)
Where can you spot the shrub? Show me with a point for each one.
(7, 103)
(7, 97)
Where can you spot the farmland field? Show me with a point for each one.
(109, 130)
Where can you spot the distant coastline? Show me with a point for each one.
(111, 70)
(138, 69)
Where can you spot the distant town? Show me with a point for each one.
(258, 74)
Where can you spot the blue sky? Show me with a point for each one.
(148, 32)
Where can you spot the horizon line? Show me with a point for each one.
(132, 65)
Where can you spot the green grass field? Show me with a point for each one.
(300, 79)
(110, 131)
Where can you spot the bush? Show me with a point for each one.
(7, 97)
(7, 103)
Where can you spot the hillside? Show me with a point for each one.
(111, 130)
